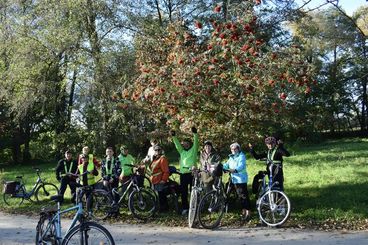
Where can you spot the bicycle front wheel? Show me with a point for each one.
(45, 191)
(88, 233)
(16, 199)
(102, 204)
(211, 209)
(274, 208)
(193, 204)
(142, 204)
(45, 232)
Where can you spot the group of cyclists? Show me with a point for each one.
(115, 170)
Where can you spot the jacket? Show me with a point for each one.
(110, 168)
(237, 162)
(188, 158)
(160, 170)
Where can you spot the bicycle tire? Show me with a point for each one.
(95, 234)
(102, 204)
(142, 204)
(45, 191)
(274, 208)
(15, 199)
(211, 209)
(41, 237)
(193, 205)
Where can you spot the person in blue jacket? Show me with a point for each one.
(237, 167)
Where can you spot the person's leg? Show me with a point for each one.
(185, 184)
(243, 194)
(63, 185)
(73, 187)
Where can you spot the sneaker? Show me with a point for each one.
(185, 212)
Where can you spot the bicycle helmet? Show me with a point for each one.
(270, 141)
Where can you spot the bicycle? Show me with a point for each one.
(15, 191)
(273, 205)
(48, 230)
(142, 202)
(214, 203)
(195, 197)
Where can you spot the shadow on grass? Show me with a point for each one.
(331, 202)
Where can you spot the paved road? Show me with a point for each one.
(20, 229)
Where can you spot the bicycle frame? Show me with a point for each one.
(26, 194)
(132, 182)
(56, 220)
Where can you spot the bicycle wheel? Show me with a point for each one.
(211, 209)
(142, 204)
(274, 208)
(45, 191)
(15, 199)
(45, 235)
(102, 204)
(88, 233)
(193, 204)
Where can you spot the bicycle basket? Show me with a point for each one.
(10, 187)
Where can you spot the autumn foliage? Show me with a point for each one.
(219, 75)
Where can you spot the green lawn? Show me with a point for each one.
(326, 184)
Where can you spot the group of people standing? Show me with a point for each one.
(114, 170)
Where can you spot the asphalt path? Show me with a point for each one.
(20, 229)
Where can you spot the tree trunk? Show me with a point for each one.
(71, 97)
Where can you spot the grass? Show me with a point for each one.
(326, 184)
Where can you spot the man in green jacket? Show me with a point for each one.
(188, 159)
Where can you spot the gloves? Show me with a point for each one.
(194, 130)
(172, 132)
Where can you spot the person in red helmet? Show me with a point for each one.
(275, 152)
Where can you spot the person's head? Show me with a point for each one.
(109, 152)
(153, 142)
(186, 143)
(270, 142)
(68, 155)
(235, 148)
(124, 150)
(84, 159)
(158, 150)
(85, 150)
(208, 146)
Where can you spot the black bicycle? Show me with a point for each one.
(215, 203)
(142, 202)
(15, 191)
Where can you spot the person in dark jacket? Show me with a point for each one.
(274, 154)
(64, 170)
(110, 169)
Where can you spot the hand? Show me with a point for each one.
(194, 130)
(172, 132)
(280, 142)
(250, 145)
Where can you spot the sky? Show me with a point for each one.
(348, 5)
